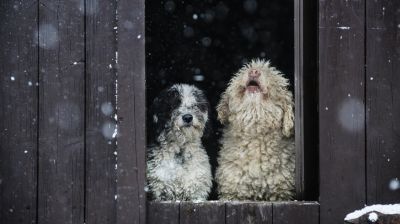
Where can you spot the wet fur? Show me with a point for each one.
(178, 167)
(257, 157)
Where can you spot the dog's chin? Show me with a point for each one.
(188, 133)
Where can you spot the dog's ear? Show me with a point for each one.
(160, 112)
(288, 117)
(223, 108)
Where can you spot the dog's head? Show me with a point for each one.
(258, 94)
(180, 114)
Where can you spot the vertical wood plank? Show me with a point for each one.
(61, 112)
(131, 104)
(306, 101)
(248, 212)
(163, 212)
(199, 213)
(18, 111)
(383, 101)
(341, 108)
(101, 154)
(296, 213)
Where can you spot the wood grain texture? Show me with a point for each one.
(162, 212)
(131, 203)
(61, 112)
(341, 108)
(101, 149)
(383, 101)
(203, 212)
(248, 212)
(296, 213)
(306, 100)
(18, 111)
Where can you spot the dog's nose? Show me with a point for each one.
(254, 73)
(187, 118)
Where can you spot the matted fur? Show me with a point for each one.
(178, 167)
(257, 157)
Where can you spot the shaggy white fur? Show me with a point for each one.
(178, 167)
(257, 158)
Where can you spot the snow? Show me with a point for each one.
(384, 209)
(139, 36)
(206, 41)
(351, 114)
(250, 6)
(107, 108)
(344, 27)
(326, 108)
(198, 78)
(169, 6)
(26, 151)
(188, 31)
(109, 130)
(371, 78)
(128, 25)
(195, 16)
(12, 78)
(394, 184)
(373, 217)
(30, 83)
(48, 36)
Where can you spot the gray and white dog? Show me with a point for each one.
(178, 167)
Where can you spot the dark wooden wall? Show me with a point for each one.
(359, 47)
(62, 63)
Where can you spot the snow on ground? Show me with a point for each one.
(384, 209)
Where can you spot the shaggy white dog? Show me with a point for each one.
(178, 167)
(257, 158)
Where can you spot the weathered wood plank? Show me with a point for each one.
(383, 101)
(296, 213)
(18, 111)
(61, 112)
(203, 212)
(341, 108)
(131, 105)
(248, 212)
(101, 154)
(306, 100)
(163, 212)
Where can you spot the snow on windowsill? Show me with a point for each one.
(384, 209)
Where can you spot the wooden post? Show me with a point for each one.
(61, 112)
(131, 203)
(383, 101)
(18, 111)
(306, 100)
(101, 148)
(341, 108)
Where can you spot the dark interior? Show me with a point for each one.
(205, 42)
